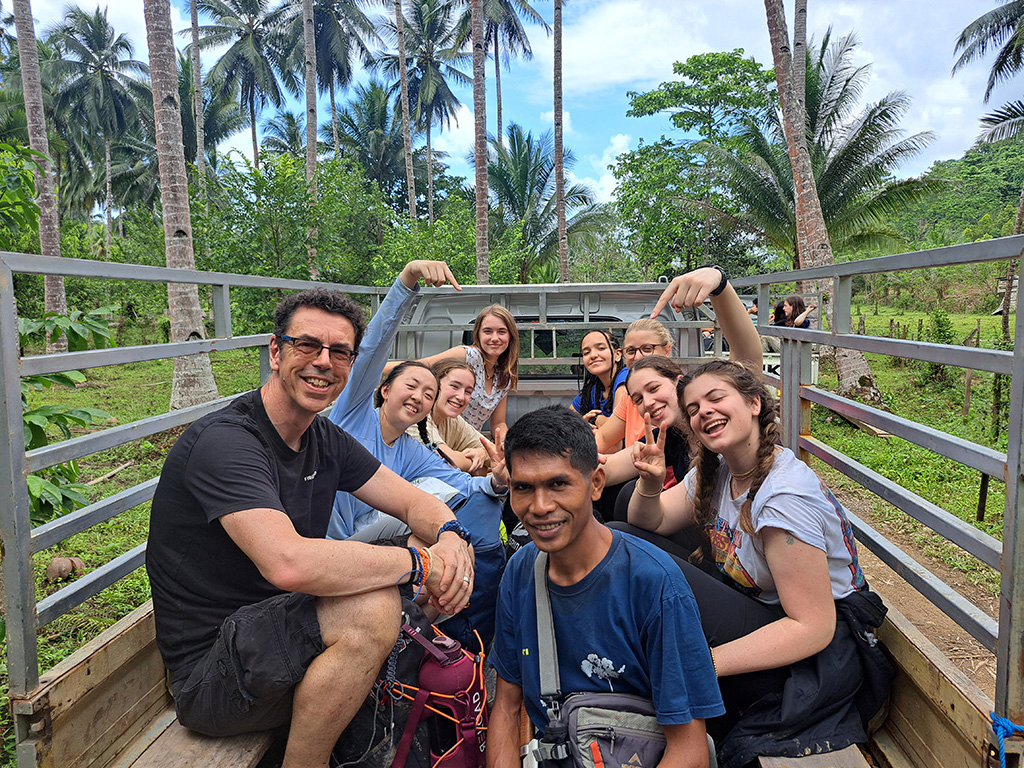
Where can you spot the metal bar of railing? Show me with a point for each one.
(96, 358)
(978, 543)
(90, 585)
(1000, 249)
(15, 525)
(65, 527)
(95, 442)
(979, 624)
(986, 460)
(978, 359)
(1009, 698)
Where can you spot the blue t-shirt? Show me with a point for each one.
(594, 402)
(629, 626)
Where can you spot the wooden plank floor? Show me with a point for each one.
(850, 757)
(178, 747)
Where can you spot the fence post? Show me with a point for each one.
(15, 524)
(222, 311)
(794, 370)
(1010, 645)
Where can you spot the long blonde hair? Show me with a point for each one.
(506, 370)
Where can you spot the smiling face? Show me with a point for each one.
(409, 397)
(493, 336)
(721, 418)
(455, 393)
(598, 356)
(310, 384)
(655, 395)
(555, 502)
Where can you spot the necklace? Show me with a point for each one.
(748, 473)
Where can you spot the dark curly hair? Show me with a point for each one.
(332, 302)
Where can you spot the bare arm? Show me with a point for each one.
(618, 467)
(455, 353)
(498, 416)
(324, 567)
(693, 288)
(801, 577)
(686, 745)
(799, 319)
(503, 728)
(651, 508)
(610, 434)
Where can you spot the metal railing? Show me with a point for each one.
(24, 616)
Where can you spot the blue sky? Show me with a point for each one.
(612, 47)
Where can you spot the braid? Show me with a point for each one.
(422, 427)
(765, 461)
(706, 463)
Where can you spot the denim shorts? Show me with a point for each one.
(246, 681)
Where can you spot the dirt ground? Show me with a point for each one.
(962, 649)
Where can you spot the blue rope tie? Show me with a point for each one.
(1003, 728)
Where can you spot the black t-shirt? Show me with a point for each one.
(677, 455)
(226, 462)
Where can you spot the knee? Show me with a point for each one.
(363, 622)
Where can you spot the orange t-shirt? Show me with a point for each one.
(626, 411)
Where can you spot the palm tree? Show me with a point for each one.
(371, 134)
(403, 82)
(853, 154)
(285, 134)
(504, 26)
(54, 298)
(222, 115)
(563, 243)
(522, 183)
(812, 238)
(196, 100)
(480, 154)
(432, 40)
(193, 381)
(101, 82)
(252, 63)
(343, 35)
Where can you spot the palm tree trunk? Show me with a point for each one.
(480, 142)
(563, 241)
(197, 100)
(403, 80)
(430, 179)
(193, 381)
(255, 144)
(309, 34)
(334, 123)
(497, 83)
(54, 298)
(813, 245)
(110, 196)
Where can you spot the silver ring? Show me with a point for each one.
(466, 579)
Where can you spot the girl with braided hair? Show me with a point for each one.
(773, 565)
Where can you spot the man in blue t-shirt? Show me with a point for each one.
(625, 619)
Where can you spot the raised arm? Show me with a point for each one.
(799, 319)
(693, 288)
(651, 508)
(801, 577)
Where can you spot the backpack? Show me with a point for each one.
(428, 708)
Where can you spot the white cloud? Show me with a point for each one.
(603, 182)
(548, 118)
(125, 17)
(458, 142)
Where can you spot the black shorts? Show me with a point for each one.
(246, 680)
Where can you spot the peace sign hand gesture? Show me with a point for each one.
(649, 458)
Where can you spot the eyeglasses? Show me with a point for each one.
(308, 348)
(645, 349)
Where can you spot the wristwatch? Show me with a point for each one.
(456, 527)
(721, 285)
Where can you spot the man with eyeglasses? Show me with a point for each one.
(260, 620)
